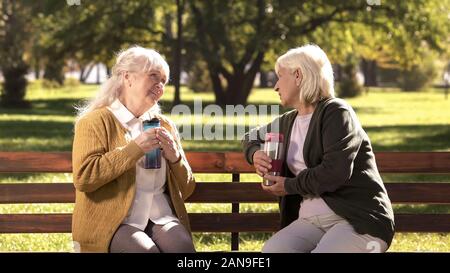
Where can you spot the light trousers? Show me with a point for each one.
(328, 233)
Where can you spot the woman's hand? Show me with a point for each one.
(278, 187)
(147, 140)
(261, 162)
(168, 144)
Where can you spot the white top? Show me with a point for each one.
(150, 201)
(310, 206)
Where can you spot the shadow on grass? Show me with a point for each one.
(57, 107)
(368, 110)
(66, 107)
(410, 137)
(433, 209)
(19, 135)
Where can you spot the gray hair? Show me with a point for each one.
(133, 59)
(318, 79)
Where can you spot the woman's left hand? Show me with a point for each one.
(168, 144)
(277, 188)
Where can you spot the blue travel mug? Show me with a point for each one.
(153, 157)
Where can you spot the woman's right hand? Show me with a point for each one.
(262, 163)
(147, 140)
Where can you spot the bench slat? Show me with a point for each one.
(219, 162)
(36, 223)
(23, 193)
(413, 162)
(212, 222)
(219, 192)
(39, 162)
(417, 193)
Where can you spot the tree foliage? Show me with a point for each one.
(235, 39)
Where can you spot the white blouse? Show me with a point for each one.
(310, 206)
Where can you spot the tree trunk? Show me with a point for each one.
(54, 71)
(85, 74)
(239, 84)
(237, 92)
(37, 68)
(220, 95)
(369, 69)
(98, 73)
(338, 70)
(108, 71)
(12, 46)
(178, 47)
(263, 79)
(14, 86)
(82, 68)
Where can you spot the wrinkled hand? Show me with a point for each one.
(168, 144)
(261, 162)
(277, 188)
(147, 140)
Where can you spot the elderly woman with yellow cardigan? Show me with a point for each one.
(121, 206)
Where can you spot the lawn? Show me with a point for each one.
(395, 121)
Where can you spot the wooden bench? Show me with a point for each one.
(235, 192)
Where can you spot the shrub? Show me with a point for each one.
(198, 77)
(419, 76)
(50, 84)
(349, 86)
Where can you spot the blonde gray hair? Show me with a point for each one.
(133, 59)
(318, 79)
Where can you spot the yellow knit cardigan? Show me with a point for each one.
(104, 176)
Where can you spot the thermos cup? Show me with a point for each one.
(152, 158)
(273, 148)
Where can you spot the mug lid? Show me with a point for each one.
(275, 137)
(153, 120)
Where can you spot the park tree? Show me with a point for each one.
(419, 42)
(94, 32)
(234, 36)
(410, 46)
(14, 36)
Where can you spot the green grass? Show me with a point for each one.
(395, 121)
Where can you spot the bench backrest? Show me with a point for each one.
(234, 192)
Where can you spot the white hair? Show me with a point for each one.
(318, 80)
(133, 59)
